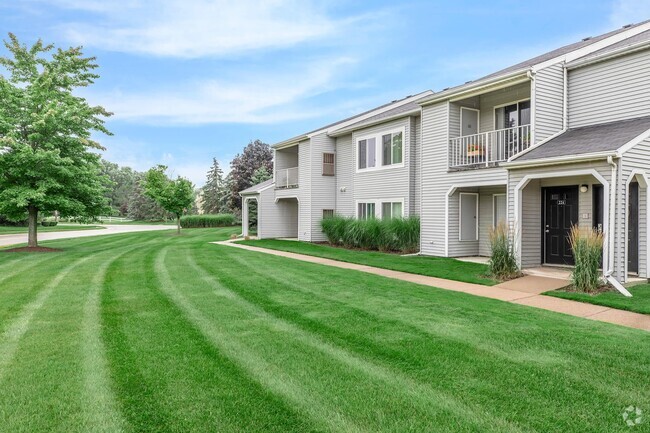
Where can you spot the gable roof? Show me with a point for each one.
(593, 139)
(255, 189)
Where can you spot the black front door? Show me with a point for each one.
(560, 214)
(633, 229)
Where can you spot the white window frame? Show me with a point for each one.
(391, 201)
(379, 154)
(478, 120)
(494, 207)
(460, 217)
(496, 107)
(378, 202)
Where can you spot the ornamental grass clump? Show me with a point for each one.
(587, 247)
(334, 228)
(503, 261)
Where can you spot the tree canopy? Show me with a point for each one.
(257, 154)
(213, 190)
(48, 160)
(175, 196)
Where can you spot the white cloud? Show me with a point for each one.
(629, 11)
(265, 98)
(198, 28)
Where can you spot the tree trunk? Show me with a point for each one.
(32, 219)
(178, 225)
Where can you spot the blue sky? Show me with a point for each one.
(189, 80)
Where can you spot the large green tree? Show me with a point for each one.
(175, 196)
(213, 189)
(48, 161)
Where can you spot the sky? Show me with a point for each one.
(192, 80)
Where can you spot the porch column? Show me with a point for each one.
(244, 217)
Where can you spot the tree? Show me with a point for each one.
(122, 184)
(175, 196)
(48, 161)
(143, 207)
(254, 156)
(260, 175)
(213, 189)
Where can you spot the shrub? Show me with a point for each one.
(587, 246)
(503, 261)
(207, 221)
(49, 223)
(397, 234)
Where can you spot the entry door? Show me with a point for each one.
(560, 214)
(633, 229)
(468, 121)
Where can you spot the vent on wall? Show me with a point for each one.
(328, 164)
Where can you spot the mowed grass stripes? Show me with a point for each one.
(158, 332)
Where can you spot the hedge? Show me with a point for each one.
(206, 221)
(49, 223)
(396, 234)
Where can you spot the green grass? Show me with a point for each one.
(440, 267)
(153, 332)
(6, 230)
(639, 302)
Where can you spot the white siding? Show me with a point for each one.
(548, 101)
(304, 191)
(415, 167)
(612, 90)
(345, 176)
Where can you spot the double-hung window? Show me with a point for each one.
(383, 150)
(365, 210)
(391, 210)
(392, 148)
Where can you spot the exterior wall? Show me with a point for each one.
(322, 188)
(531, 206)
(548, 101)
(304, 190)
(276, 220)
(389, 183)
(458, 248)
(636, 158)
(615, 89)
(345, 176)
(415, 166)
(285, 159)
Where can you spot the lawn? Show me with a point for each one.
(441, 267)
(156, 332)
(639, 302)
(6, 230)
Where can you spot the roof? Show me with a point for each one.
(300, 137)
(257, 188)
(630, 42)
(604, 137)
(395, 112)
(526, 65)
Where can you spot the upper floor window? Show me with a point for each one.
(328, 164)
(511, 115)
(388, 146)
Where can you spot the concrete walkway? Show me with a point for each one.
(521, 291)
(6, 240)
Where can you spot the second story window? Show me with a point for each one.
(328, 164)
(382, 150)
(392, 148)
(367, 152)
(512, 115)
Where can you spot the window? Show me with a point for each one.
(387, 145)
(365, 211)
(392, 148)
(498, 209)
(468, 220)
(509, 116)
(328, 213)
(391, 210)
(367, 153)
(328, 164)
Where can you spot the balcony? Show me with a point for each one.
(488, 148)
(286, 178)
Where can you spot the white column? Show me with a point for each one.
(244, 217)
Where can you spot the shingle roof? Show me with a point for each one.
(632, 40)
(603, 137)
(257, 188)
(414, 105)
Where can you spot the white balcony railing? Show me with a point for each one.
(286, 178)
(488, 148)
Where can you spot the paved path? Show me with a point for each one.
(108, 229)
(511, 291)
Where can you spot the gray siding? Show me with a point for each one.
(637, 158)
(304, 192)
(276, 220)
(415, 166)
(345, 176)
(497, 98)
(285, 159)
(389, 182)
(322, 188)
(486, 217)
(612, 90)
(548, 101)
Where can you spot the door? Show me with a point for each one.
(633, 229)
(468, 216)
(560, 214)
(468, 121)
(597, 209)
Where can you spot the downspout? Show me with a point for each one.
(533, 97)
(611, 235)
(565, 108)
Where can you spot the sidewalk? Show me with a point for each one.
(511, 291)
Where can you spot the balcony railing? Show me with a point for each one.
(488, 148)
(286, 178)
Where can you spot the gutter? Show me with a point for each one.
(560, 160)
(612, 215)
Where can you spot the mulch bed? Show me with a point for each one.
(32, 250)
